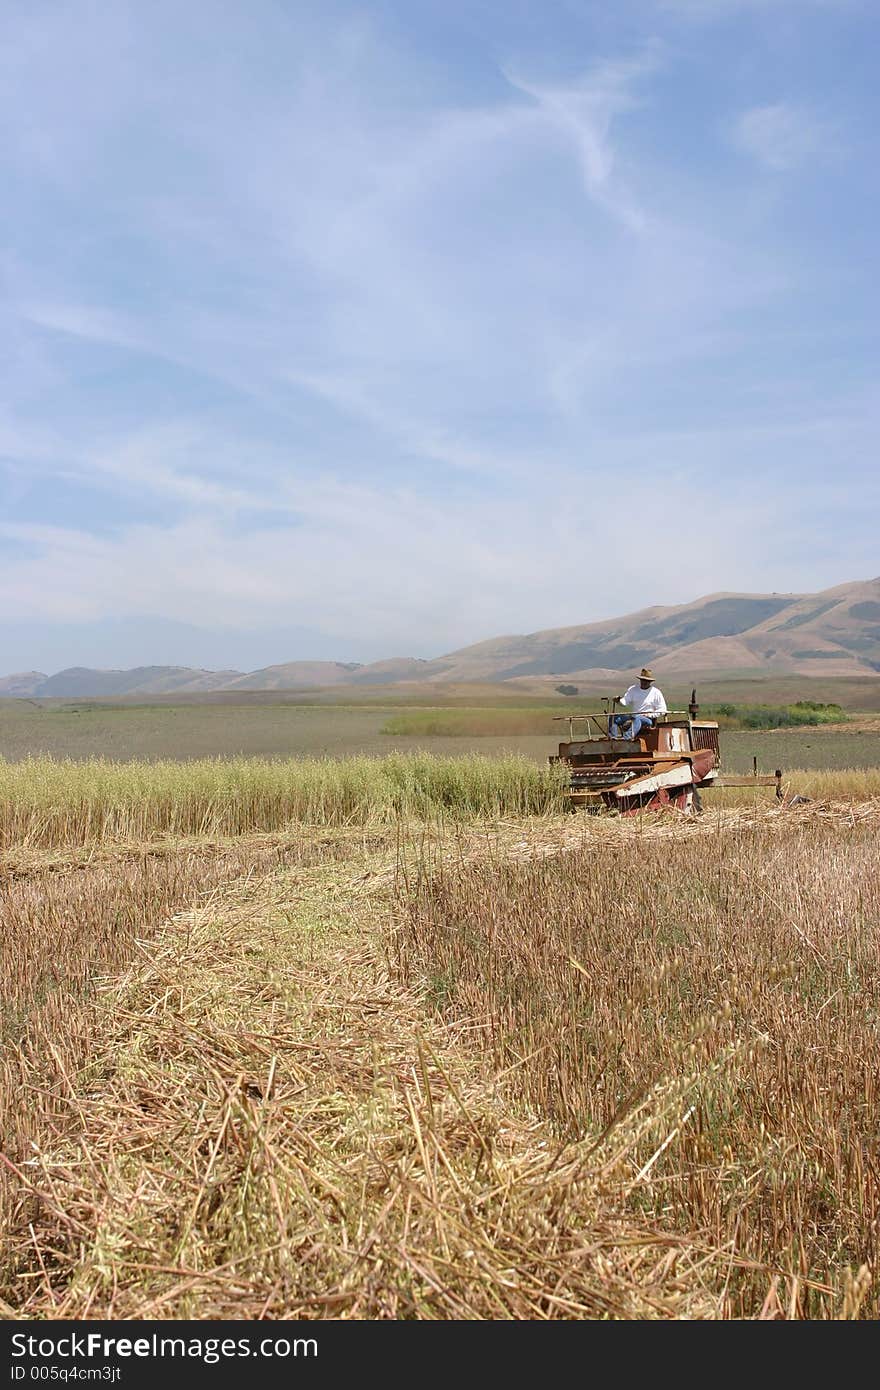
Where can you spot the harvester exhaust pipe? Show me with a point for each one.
(693, 707)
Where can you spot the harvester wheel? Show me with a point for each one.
(680, 799)
(683, 800)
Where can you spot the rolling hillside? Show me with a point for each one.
(834, 633)
(81, 681)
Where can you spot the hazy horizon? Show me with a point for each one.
(131, 637)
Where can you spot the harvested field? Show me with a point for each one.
(469, 1065)
(272, 1126)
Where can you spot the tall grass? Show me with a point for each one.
(480, 723)
(46, 802)
(804, 714)
(722, 992)
(551, 721)
(818, 784)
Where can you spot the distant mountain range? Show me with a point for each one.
(832, 633)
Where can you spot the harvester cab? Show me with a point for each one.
(665, 767)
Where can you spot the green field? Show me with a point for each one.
(125, 732)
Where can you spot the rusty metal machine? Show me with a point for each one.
(666, 767)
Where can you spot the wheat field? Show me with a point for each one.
(49, 802)
(402, 1040)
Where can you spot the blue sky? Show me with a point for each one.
(351, 331)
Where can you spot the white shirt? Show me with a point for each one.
(641, 701)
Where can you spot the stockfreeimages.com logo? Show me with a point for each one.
(209, 1350)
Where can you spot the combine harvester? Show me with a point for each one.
(665, 768)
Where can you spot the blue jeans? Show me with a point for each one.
(637, 722)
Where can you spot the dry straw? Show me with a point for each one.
(707, 997)
(256, 1120)
(596, 1067)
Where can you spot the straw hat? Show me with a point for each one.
(646, 674)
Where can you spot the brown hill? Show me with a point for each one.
(22, 684)
(835, 633)
(294, 674)
(81, 681)
(616, 644)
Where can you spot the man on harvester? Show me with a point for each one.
(644, 701)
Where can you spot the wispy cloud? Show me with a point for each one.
(783, 137)
(442, 581)
(413, 574)
(584, 112)
(722, 9)
(342, 321)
